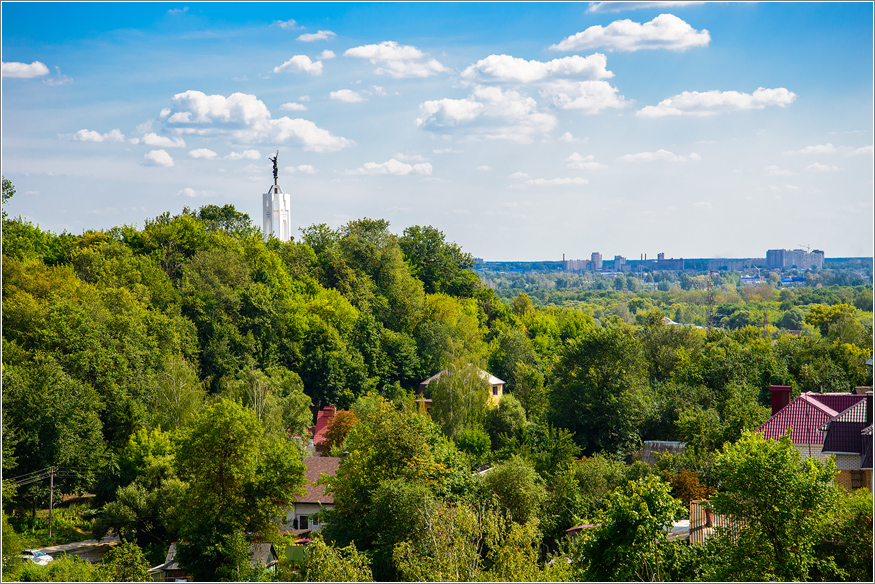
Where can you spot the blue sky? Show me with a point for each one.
(523, 131)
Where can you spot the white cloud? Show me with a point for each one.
(483, 168)
(347, 96)
(774, 170)
(246, 119)
(488, 113)
(709, 103)
(158, 158)
(190, 192)
(322, 35)
(817, 149)
(666, 31)
(377, 90)
(591, 97)
(311, 136)
(818, 167)
(395, 167)
(595, 7)
(23, 70)
(287, 24)
(326, 54)
(300, 64)
(92, 136)
(59, 79)
(245, 155)
(203, 153)
(659, 156)
(512, 69)
(178, 10)
(300, 169)
(519, 175)
(293, 107)
(567, 137)
(583, 162)
(398, 61)
(153, 139)
(863, 150)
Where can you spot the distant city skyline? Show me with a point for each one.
(522, 131)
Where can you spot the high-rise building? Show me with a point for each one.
(596, 260)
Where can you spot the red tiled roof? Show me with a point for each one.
(838, 401)
(805, 415)
(316, 466)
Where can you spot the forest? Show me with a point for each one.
(172, 372)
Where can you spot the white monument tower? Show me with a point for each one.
(276, 208)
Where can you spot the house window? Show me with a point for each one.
(856, 479)
(494, 390)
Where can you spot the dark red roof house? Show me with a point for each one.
(848, 437)
(808, 415)
(323, 418)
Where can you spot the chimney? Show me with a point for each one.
(780, 397)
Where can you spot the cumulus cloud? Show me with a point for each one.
(489, 113)
(394, 167)
(287, 24)
(153, 139)
(190, 192)
(300, 169)
(245, 155)
(92, 136)
(567, 137)
(818, 167)
(596, 7)
(300, 64)
(519, 175)
(666, 31)
(158, 158)
(774, 170)
(347, 96)
(659, 156)
(203, 153)
(326, 54)
(293, 107)
(322, 35)
(23, 70)
(398, 61)
(246, 119)
(512, 69)
(709, 103)
(583, 162)
(590, 97)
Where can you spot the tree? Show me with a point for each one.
(598, 390)
(124, 563)
(337, 430)
(528, 388)
(8, 193)
(178, 395)
(626, 543)
(780, 500)
(460, 396)
(239, 478)
(441, 266)
(848, 535)
(517, 488)
(226, 218)
(326, 563)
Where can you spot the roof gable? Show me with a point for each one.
(838, 401)
(804, 415)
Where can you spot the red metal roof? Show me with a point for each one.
(838, 401)
(323, 417)
(805, 415)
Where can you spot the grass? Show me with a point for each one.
(69, 524)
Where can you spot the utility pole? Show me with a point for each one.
(51, 496)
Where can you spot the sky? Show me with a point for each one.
(523, 131)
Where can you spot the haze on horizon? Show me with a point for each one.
(523, 131)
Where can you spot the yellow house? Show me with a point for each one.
(496, 386)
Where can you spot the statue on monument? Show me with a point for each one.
(275, 171)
